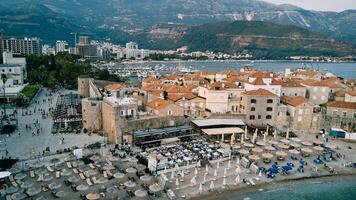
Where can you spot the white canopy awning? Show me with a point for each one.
(220, 131)
(218, 122)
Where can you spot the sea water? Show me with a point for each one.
(343, 69)
(338, 189)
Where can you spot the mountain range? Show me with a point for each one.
(52, 20)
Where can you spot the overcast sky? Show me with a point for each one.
(321, 5)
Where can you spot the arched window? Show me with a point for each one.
(269, 100)
(269, 109)
(253, 108)
(253, 101)
(268, 117)
(252, 117)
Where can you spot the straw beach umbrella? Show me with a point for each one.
(232, 139)
(318, 142)
(211, 185)
(296, 139)
(285, 141)
(287, 134)
(200, 188)
(295, 145)
(249, 145)
(246, 132)
(283, 146)
(254, 157)
(257, 150)
(318, 148)
(269, 148)
(293, 151)
(306, 143)
(254, 136)
(244, 152)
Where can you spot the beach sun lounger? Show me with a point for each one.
(105, 174)
(69, 165)
(81, 175)
(49, 168)
(91, 166)
(32, 174)
(89, 182)
(14, 183)
(75, 170)
(109, 173)
(58, 174)
(94, 180)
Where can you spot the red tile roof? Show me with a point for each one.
(351, 93)
(222, 86)
(174, 97)
(259, 92)
(341, 104)
(258, 81)
(158, 104)
(294, 101)
(114, 87)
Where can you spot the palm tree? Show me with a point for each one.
(4, 79)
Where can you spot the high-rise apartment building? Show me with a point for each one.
(24, 46)
(62, 46)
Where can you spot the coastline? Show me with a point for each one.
(245, 189)
(231, 60)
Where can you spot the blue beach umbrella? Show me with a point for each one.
(287, 168)
(273, 170)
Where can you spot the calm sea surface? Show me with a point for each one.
(346, 70)
(341, 189)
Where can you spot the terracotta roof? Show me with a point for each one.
(170, 77)
(193, 77)
(277, 82)
(234, 79)
(177, 89)
(158, 104)
(351, 93)
(156, 92)
(258, 81)
(261, 74)
(291, 83)
(189, 96)
(229, 72)
(174, 97)
(259, 92)
(341, 104)
(114, 87)
(205, 73)
(294, 101)
(222, 86)
(340, 94)
(313, 82)
(149, 79)
(307, 73)
(332, 83)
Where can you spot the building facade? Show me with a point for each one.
(260, 107)
(24, 46)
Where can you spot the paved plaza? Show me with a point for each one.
(23, 143)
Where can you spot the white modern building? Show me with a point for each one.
(132, 51)
(14, 68)
(62, 46)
